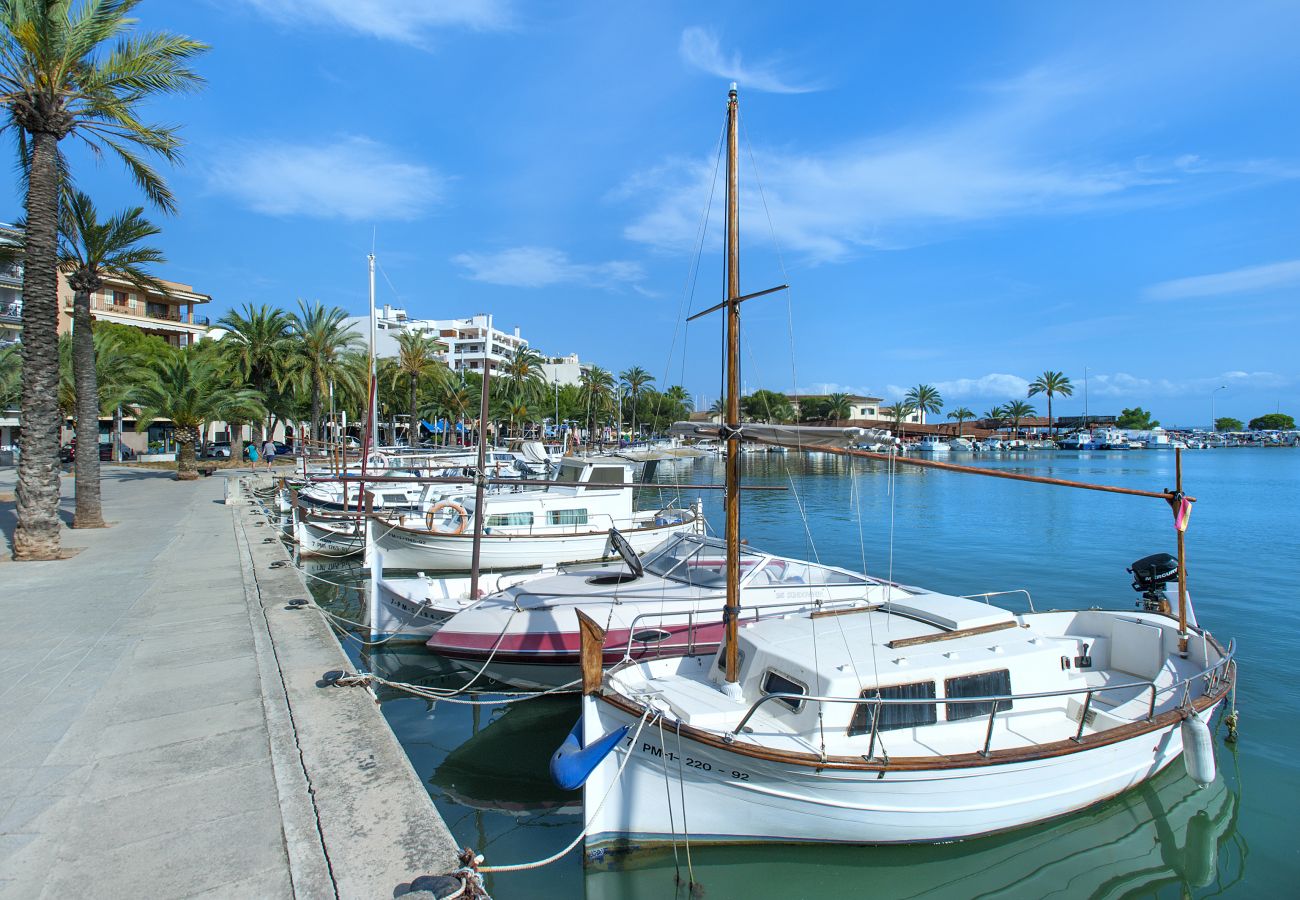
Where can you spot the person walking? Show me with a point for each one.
(268, 452)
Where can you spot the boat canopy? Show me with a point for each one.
(702, 561)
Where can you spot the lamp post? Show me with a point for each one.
(1214, 396)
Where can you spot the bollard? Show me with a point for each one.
(232, 491)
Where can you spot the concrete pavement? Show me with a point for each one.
(161, 732)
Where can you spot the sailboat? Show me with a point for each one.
(917, 717)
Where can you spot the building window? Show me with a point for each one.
(120, 298)
(895, 715)
(988, 684)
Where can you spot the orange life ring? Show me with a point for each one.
(462, 517)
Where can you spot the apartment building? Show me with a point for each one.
(169, 315)
(472, 343)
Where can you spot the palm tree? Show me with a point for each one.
(1050, 383)
(89, 251)
(902, 409)
(718, 408)
(1015, 411)
(418, 359)
(839, 407)
(597, 393)
(257, 350)
(10, 377)
(58, 79)
(634, 379)
(321, 342)
(457, 400)
(924, 398)
(187, 387)
(961, 414)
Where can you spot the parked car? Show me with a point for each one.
(283, 449)
(218, 450)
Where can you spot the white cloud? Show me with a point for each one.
(407, 21)
(699, 47)
(351, 178)
(887, 191)
(545, 266)
(1237, 281)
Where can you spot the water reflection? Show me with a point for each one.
(1166, 834)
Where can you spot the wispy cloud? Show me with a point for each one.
(995, 384)
(1237, 281)
(700, 48)
(406, 21)
(1012, 152)
(351, 178)
(535, 267)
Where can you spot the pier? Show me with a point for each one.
(163, 731)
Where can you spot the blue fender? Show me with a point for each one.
(573, 763)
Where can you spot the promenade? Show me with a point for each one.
(162, 732)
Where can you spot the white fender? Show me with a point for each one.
(1198, 749)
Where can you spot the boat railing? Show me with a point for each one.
(987, 594)
(1212, 674)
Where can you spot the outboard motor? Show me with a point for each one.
(1150, 575)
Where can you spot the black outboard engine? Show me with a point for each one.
(1150, 575)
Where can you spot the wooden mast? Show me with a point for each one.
(480, 474)
(1182, 553)
(733, 390)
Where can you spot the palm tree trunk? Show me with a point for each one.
(413, 433)
(186, 467)
(315, 411)
(37, 533)
(1050, 430)
(90, 513)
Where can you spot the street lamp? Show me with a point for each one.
(1214, 420)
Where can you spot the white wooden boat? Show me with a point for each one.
(931, 718)
(567, 521)
(914, 717)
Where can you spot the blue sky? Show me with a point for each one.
(960, 194)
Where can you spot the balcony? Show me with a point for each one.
(12, 310)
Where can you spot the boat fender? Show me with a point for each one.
(1200, 863)
(573, 763)
(1198, 749)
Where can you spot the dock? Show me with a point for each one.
(163, 731)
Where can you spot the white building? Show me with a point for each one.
(469, 344)
(563, 369)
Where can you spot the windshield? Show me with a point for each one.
(690, 560)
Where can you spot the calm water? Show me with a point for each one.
(486, 767)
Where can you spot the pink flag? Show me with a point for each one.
(1182, 513)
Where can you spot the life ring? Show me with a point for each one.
(377, 460)
(462, 517)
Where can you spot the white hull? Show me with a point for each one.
(409, 549)
(412, 609)
(317, 540)
(734, 798)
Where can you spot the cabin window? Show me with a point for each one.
(605, 475)
(510, 520)
(895, 715)
(567, 517)
(988, 684)
(776, 683)
(568, 474)
(394, 498)
(722, 659)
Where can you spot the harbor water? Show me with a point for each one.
(486, 766)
